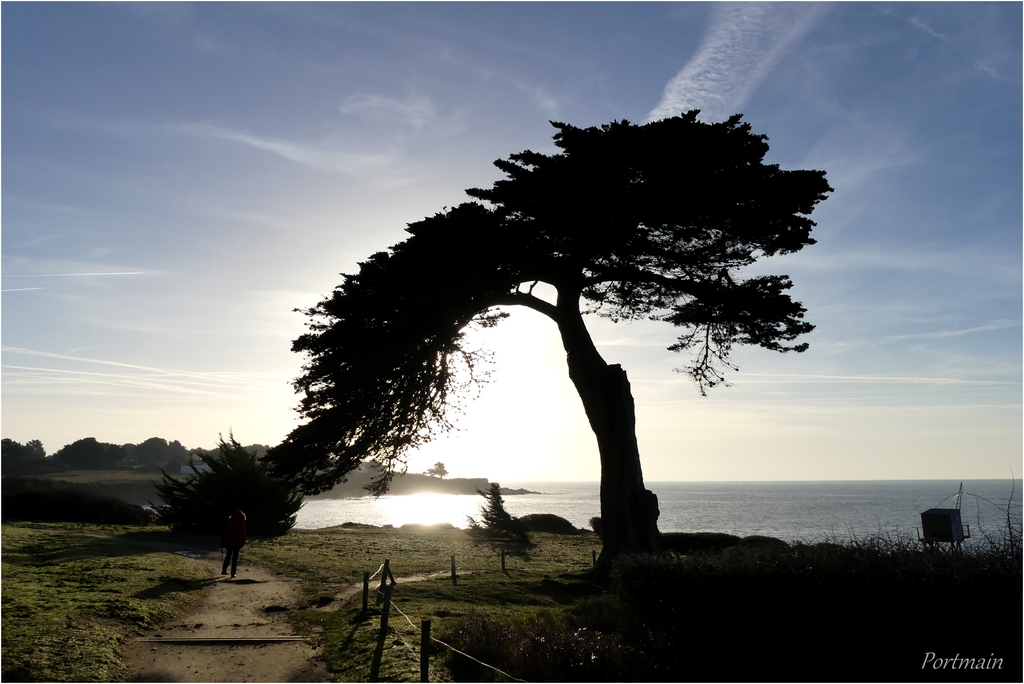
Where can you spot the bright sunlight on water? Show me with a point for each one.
(426, 509)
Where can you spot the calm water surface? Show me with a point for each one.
(793, 511)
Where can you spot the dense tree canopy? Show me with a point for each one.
(90, 454)
(237, 478)
(653, 221)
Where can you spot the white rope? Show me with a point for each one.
(506, 674)
(478, 661)
(462, 653)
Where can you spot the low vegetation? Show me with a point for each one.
(29, 498)
(727, 609)
(70, 601)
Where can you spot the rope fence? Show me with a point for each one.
(385, 596)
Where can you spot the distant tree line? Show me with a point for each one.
(91, 454)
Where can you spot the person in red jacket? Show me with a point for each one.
(232, 540)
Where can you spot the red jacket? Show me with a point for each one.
(234, 530)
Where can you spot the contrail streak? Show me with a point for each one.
(742, 46)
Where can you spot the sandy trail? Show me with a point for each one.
(254, 604)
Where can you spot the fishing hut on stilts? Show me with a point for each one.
(944, 525)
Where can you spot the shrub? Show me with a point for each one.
(768, 597)
(689, 542)
(595, 524)
(539, 650)
(27, 498)
(202, 501)
(548, 522)
(762, 542)
(496, 520)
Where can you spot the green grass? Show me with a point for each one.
(328, 560)
(69, 601)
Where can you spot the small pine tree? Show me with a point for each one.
(202, 501)
(496, 520)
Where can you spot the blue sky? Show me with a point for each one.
(178, 178)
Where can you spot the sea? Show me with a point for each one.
(792, 511)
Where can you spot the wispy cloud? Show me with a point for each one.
(417, 111)
(987, 68)
(937, 334)
(134, 376)
(926, 28)
(74, 275)
(900, 379)
(544, 100)
(307, 155)
(23, 289)
(744, 42)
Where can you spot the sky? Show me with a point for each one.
(178, 179)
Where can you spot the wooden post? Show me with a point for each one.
(366, 591)
(384, 577)
(455, 578)
(385, 611)
(424, 650)
(593, 557)
(503, 560)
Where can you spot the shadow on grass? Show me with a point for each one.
(173, 584)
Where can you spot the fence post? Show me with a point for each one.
(425, 650)
(383, 577)
(455, 578)
(503, 560)
(366, 591)
(593, 557)
(385, 611)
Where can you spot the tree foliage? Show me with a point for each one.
(90, 454)
(437, 470)
(201, 502)
(626, 221)
(495, 520)
(157, 450)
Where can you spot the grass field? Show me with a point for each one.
(89, 592)
(95, 477)
(717, 614)
(70, 600)
(327, 560)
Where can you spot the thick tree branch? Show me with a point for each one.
(527, 300)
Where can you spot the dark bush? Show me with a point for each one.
(761, 542)
(548, 522)
(539, 651)
(26, 498)
(202, 501)
(777, 605)
(495, 521)
(595, 524)
(688, 542)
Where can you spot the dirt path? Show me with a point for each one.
(254, 604)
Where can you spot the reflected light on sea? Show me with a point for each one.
(424, 509)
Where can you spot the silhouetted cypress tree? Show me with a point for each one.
(202, 501)
(496, 520)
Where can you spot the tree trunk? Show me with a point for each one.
(629, 512)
